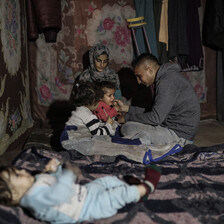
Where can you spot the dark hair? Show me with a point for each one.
(5, 191)
(85, 94)
(142, 58)
(106, 84)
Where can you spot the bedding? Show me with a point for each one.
(190, 189)
(80, 139)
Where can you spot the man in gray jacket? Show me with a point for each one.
(175, 113)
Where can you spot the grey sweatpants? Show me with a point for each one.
(156, 135)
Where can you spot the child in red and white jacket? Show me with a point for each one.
(107, 106)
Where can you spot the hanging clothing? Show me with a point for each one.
(177, 25)
(163, 30)
(194, 61)
(43, 17)
(213, 25)
(162, 53)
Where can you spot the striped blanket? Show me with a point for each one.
(190, 189)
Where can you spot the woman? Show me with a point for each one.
(99, 70)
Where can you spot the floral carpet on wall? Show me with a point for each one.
(15, 112)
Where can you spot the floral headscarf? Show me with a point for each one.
(91, 74)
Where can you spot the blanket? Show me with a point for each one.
(190, 189)
(80, 139)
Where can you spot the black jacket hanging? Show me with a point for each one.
(213, 24)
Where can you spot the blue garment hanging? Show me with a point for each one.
(145, 8)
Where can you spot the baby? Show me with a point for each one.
(56, 197)
(107, 107)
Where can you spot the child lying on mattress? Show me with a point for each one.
(56, 197)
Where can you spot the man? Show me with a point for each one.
(175, 113)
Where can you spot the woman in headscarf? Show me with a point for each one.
(99, 70)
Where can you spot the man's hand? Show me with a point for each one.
(121, 119)
(121, 106)
(117, 108)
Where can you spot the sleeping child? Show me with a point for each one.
(56, 197)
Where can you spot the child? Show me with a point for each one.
(56, 198)
(106, 107)
(85, 98)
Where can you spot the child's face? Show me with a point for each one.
(101, 62)
(19, 181)
(108, 97)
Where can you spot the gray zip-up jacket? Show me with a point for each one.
(176, 105)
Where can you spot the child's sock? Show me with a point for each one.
(152, 175)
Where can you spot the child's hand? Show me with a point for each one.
(110, 120)
(52, 166)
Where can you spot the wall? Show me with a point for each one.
(208, 108)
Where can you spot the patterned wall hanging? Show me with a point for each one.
(11, 34)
